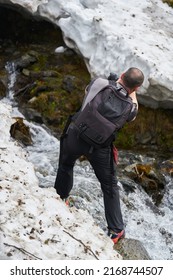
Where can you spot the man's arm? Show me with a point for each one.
(134, 110)
(134, 98)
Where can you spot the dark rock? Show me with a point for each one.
(154, 208)
(167, 235)
(128, 185)
(24, 61)
(150, 178)
(20, 132)
(32, 115)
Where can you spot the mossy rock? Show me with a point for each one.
(54, 86)
(152, 129)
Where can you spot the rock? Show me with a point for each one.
(167, 167)
(32, 114)
(150, 178)
(20, 132)
(60, 49)
(68, 83)
(24, 61)
(132, 249)
(128, 185)
(153, 207)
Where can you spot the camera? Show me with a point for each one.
(113, 77)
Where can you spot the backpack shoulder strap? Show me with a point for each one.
(121, 92)
(118, 88)
(95, 87)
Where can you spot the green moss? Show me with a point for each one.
(151, 128)
(125, 138)
(55, 98)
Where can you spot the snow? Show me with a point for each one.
(115, 35)
(60, 49)
(35, 219)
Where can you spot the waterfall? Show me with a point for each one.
(12, 74)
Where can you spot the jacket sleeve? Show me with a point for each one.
(133, 113)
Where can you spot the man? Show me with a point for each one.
(101, 159)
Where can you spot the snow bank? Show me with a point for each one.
(34, 222)
(114, 35)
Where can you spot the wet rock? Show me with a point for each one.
(150, 178)
(24, 61)
(131, 249)
(26, 72)
(167, 167)
(128, 204)
(21, 132)
(154, 208)
(128, 185)
(167, 235)
(32, 115)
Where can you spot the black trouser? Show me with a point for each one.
(71, 148)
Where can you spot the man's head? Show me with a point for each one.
(132, 79)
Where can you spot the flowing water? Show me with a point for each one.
(10, 68)
(152, 226)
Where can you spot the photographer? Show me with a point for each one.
(111, 94)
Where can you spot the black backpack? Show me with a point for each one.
(106, 108)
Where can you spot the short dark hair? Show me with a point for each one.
(133, 77)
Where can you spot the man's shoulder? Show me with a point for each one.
(97, 84)
(99, 80)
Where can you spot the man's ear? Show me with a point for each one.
(122, 75)
(136, 88)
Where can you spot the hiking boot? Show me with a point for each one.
(115, 236)
(69, 201)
